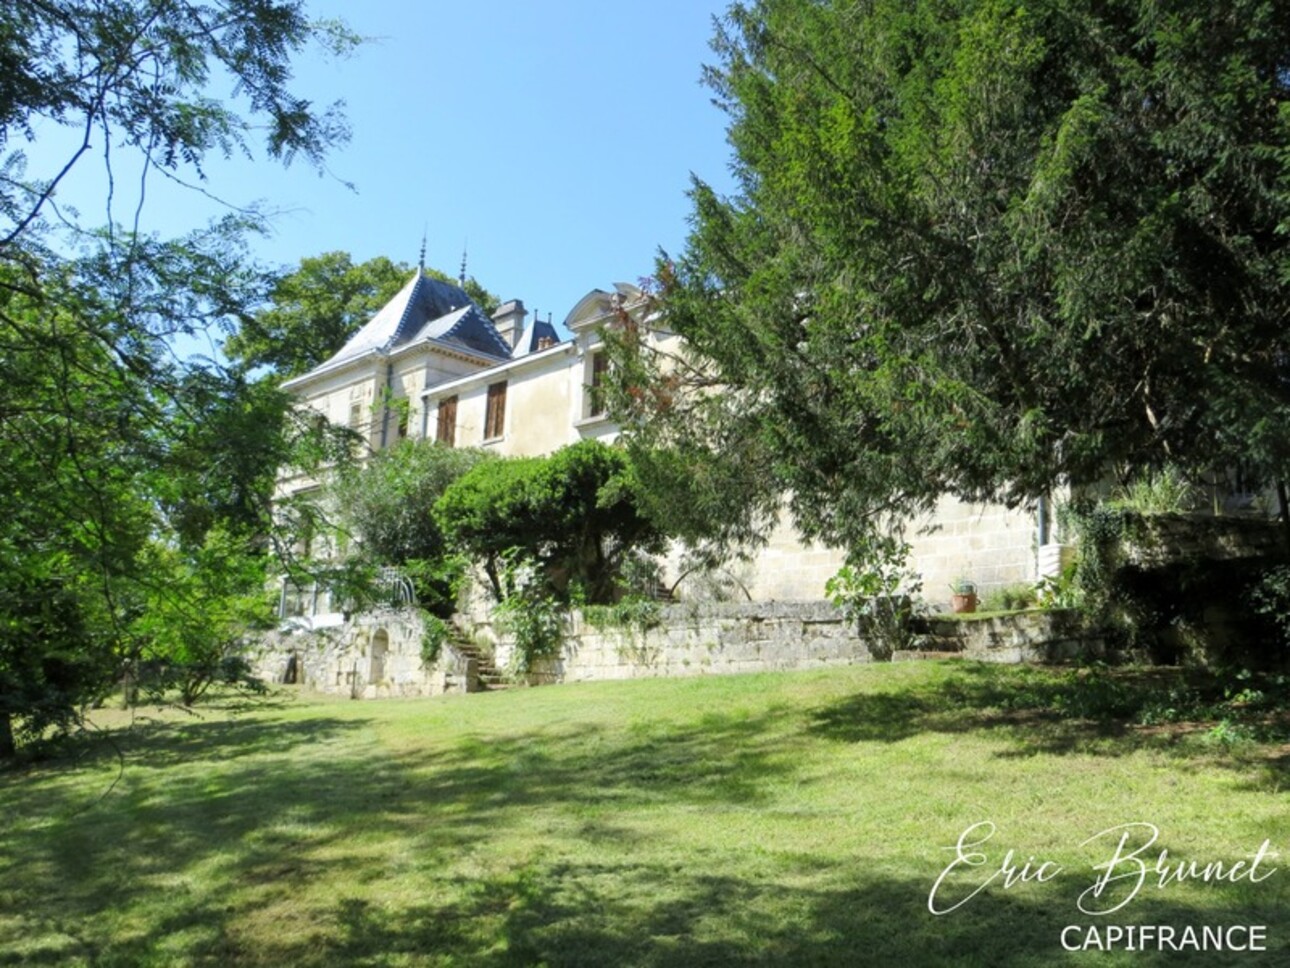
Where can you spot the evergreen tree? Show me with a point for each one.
(979, 247)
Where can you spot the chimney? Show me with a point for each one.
(509, 320)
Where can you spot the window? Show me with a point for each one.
(405, 414)
(596, 406)
(446, 431)
(495, 416)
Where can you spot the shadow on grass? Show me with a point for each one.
(562, 915)
(587, 915)
(1108, 712)
(215, 822)
(313, 842)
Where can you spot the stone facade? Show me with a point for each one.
(989, 544)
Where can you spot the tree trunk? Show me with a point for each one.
(129, 689)
(1285, 509)
(7, 745)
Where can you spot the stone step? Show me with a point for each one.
(487, 675)
(917, 655)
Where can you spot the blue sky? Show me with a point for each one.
(555, 140)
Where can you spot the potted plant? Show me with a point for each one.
(963, 596)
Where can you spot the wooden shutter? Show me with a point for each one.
(446, 432)
(495, 417)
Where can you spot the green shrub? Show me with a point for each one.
(1011, 598)
(874, 589)
(1270, 598)
(387, 503)
(528, 613)
(434, 635)
(1162, 491)
(575, 516)
(634, 613)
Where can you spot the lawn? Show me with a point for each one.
(794, 819)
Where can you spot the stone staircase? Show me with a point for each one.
(1031, 636)
(475, 671)
(931, 640)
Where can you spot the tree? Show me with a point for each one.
(701, 467)
(71, 519)
(981, 247)
(313, 310)
(135, 78)
(575, 515)
(113, 450)
(387, 504)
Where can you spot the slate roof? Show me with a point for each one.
(467, 326)
(533, 334)
(424, 309)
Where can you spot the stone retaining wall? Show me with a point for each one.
(371, 656)
(1052, 635)
(703, 639)
(1157, 540)
(379, 654)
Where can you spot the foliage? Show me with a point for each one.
(716, 501)
(314, 309)
(1162, 491)
(1011, 598)
(1022, 242)
(1060, 590)
(1270, 597)
(1242, 705)
(576, 515)
(387, 504)
(529, 613)
(436, 632)
(53, 658)
(118, 455)
(1213, 612)
(633, 613)
(387, 501)
(136, 77)
(874, 588)
(195, 607)
(228, 437)
(1101, 531)
(703, 471)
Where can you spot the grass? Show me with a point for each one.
(794, 819)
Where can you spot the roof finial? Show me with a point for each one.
(461, 279)
(422, 262)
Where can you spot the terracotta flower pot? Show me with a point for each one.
(962, 604)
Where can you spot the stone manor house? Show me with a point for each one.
(432, 365)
